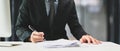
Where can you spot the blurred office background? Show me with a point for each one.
(99, 18)
(92, 17)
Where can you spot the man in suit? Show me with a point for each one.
(35, 15)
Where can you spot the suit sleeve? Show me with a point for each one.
(22, 31)
(75, 27)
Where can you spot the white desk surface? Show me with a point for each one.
(105, 46)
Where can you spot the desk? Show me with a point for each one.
(105, 46)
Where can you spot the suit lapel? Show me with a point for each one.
(43, 8)
(60, 7)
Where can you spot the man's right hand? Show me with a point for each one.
(37, 37)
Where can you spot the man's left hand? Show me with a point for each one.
(89, 39)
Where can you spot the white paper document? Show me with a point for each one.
(59, 43)
(63, 43)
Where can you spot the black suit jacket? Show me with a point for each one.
(33, 12)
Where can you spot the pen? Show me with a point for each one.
(31, 28)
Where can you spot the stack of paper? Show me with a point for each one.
(61, 43)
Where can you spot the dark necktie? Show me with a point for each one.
(52, 11)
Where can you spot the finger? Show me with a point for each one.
(82, 40)
(94, 41)
(37, 38)
(87, 38)
(98, 42)
(41, 34)
(36, 33)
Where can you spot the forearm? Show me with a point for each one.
(23, 34)
(78, 32)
